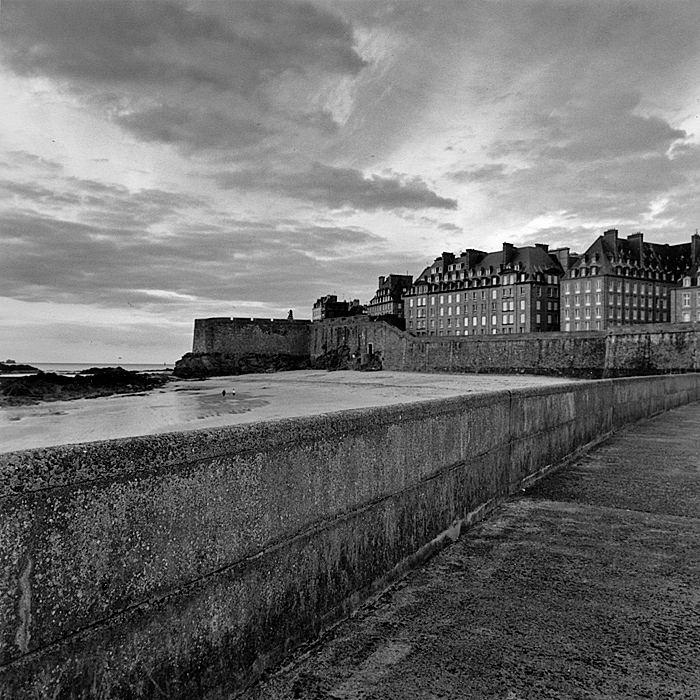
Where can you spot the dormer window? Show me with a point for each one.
(686, 281)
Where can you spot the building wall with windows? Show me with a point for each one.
(623, 282)
(388, 300)
(515, 290)
(685, 300)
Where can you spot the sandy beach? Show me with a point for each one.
(191, 404)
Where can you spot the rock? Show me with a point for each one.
(215, 364)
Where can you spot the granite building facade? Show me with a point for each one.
(514, 290)
(619, 282)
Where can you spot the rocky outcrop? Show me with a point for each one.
(90, 383)
(14, 368)
(217, 364)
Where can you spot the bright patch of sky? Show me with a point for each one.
(167, 160)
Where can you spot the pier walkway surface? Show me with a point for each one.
(585, 586)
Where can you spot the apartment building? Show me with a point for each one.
(388, 299)
(329, 307)
(515, 290)
(620, 282)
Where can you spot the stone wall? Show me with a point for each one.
(640, 350)
(237, 336)
(223, 346)
(183, 565)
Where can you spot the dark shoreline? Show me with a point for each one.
(88, 384)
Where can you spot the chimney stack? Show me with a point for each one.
(508, 251)
(636, 242)
(610, 238)
(695, 249)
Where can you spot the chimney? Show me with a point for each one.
(610, 238)
(695, 249)
(471, 257)
(447, 259)
(563, 256)
(508, 251)
(636, 243)
(381, 282)
(542, 246)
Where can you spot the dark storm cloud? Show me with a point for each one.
(200, 76)
(336, 188)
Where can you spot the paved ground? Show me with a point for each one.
(587, 586)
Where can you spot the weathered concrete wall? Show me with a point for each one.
(634, 351)
(182, 565)
(237, 336)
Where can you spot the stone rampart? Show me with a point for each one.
(182, 565)
(641, 350)
(223, 346)
(237, 336)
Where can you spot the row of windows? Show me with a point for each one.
(506, 305)
(623, 314)
(613, 286)
(483, 294)
(616, 299)
(687, 297)
(506, 319)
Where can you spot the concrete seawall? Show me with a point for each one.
(182, 565)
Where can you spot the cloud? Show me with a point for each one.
(336, 187)
(484, 173)
(196, 75)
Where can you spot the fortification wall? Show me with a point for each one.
(640, 350)
(576, 355)
(237, 336)
(182, 565)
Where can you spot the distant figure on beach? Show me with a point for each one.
(223, 393)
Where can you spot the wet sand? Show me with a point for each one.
(192, 404)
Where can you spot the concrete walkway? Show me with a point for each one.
(586, 586)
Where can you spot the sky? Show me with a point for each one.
(166, 160)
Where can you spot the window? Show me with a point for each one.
(522, 318)
(449, 298)
(522, 304)
(494, 294)
(410, 302)
(686, 300)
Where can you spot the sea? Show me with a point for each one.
(68, 368)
